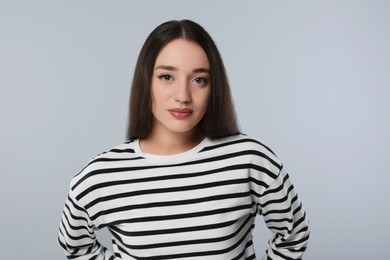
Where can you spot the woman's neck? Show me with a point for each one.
(170, 143)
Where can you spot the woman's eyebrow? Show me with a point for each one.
(166, 67)
(201, 70)
(173, 68)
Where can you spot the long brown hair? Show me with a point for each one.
(220, 118)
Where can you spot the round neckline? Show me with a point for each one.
(180, 157)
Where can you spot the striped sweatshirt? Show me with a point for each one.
(197, 205)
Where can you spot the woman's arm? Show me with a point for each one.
(286, 219)
(77, 236)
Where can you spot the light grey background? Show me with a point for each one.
(310, 78)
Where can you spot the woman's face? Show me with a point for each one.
(180, 87)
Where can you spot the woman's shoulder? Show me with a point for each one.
(243, 145)
(111, 160)
(239, 142)
(122, 152)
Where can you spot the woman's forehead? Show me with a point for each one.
(182, 54)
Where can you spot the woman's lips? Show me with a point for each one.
(180, 113)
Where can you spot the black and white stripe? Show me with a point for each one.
(197, 205)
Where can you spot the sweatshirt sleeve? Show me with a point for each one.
(285, 218)
(77, 234)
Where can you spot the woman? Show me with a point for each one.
(187, 184)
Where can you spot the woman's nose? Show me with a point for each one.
(183, 93)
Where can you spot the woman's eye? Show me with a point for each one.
(200, 80)
(165, 77)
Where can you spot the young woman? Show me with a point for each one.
(186, 184)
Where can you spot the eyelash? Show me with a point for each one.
(203, 80)
(197, 80)
(165, 77)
